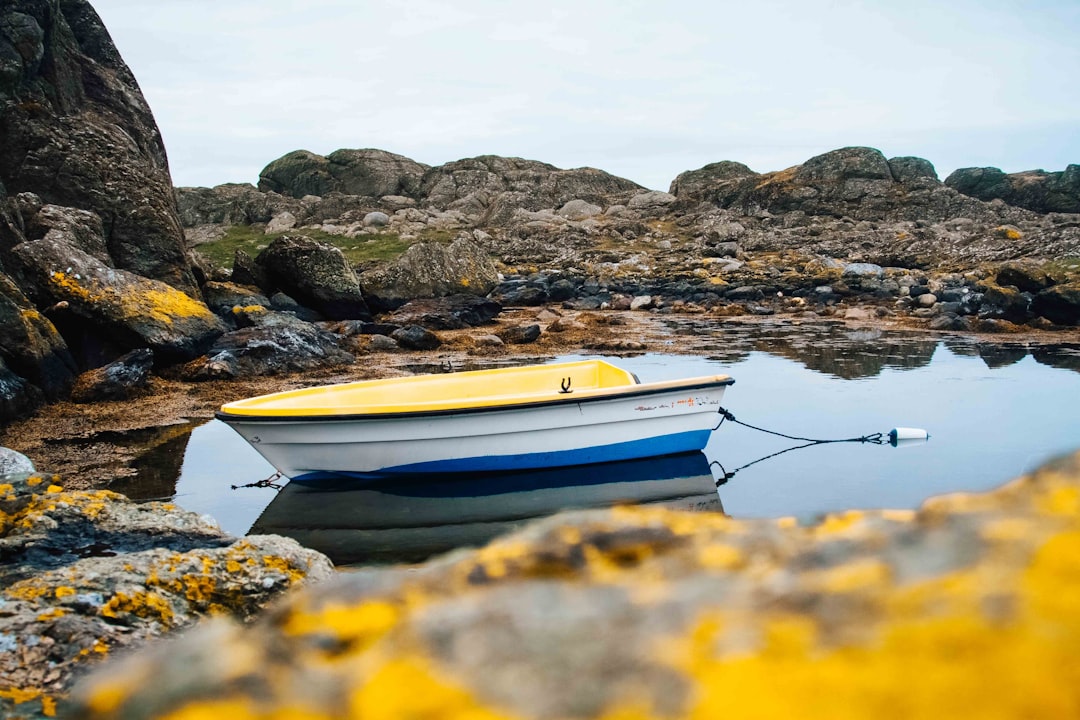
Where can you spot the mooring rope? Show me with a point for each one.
(874, 439)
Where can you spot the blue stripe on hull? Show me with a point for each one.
(649, 447)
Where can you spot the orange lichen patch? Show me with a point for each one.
(148, 605)
(409, 688)
(48, 706)
(241, 709)
(680, 523)
(275, 562)
(1059, 500)
(932, 657)
(108, 695)
(51, 614)
(20, 695)
(718, 556)
(64, 591)
(857, 576)
(787, 523)
(357, 626)
(1009, 530)
(838, 523)
(496, 561)
(30, 589)
(34, 480)
(90, 504)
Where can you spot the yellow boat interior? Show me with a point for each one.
(473, 389)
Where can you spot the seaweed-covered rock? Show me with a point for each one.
(121, 379)
(414, 337)
(447, 313)
(520, 334)
(271, 343)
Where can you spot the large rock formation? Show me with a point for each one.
(1036, 190)
(855, 181)
(493, 187)
(77, 132)
(369, 172)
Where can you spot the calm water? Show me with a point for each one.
(993, 413)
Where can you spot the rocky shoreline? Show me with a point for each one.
(131, 306)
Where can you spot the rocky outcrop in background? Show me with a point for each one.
(1037, 190)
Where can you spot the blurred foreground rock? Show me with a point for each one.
(968, 607)
(85, 574)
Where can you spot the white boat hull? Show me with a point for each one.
(491, 439)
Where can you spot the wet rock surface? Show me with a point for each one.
(119, 380)
(269, 343)
(654, 613)
(86, 574)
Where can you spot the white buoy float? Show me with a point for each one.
(907, 436)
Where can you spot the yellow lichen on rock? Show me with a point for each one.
(140, 604)
(149, 299)
(354, 626)
(410, 688)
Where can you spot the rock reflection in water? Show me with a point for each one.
(829, 348)
(851, 354)
(1000, 355)
(411, 519)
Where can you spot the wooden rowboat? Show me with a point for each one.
(504, 419)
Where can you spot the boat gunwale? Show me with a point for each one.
(572, 398)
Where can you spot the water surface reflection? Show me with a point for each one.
(995, 411)
(411, 519)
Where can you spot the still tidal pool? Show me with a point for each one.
(993, 412)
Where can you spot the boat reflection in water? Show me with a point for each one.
(409, 520)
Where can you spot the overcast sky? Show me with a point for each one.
(641, 89)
